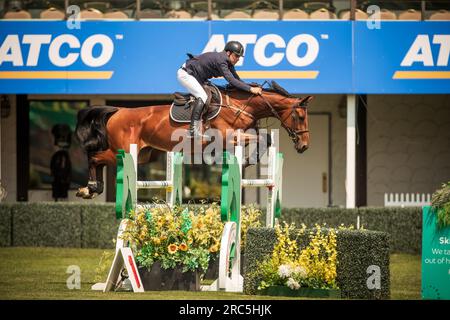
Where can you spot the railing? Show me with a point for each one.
(407, 200)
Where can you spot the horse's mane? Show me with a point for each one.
(274, 87)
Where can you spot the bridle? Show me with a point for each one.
(292, 132)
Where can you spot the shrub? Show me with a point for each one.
(440, 202)
(312, 265)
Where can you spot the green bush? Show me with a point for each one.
(5, 225)
(357, 251)
(440, 201)
(46, 224)
(90, 224)
(404, 225)
(99, 226)
(333, 217)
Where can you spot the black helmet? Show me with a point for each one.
(235, 47)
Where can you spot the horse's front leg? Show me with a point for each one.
(95, 183)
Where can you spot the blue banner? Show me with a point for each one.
(402, 57)
(142, 57)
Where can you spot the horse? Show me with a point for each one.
(103, 130)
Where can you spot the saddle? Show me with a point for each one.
(180, 110)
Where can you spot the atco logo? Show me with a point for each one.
(284, 49)
(12, 50)
(421, 51)
(420, 54)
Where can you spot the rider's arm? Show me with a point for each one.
(233, 71)
(235, 81)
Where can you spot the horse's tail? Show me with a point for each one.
(91, 128)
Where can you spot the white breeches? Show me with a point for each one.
(191, 84)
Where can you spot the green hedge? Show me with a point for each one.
(5, 225)
(404, 225)
(92, 225)
(357, 250)
(99, 226)
(61, 224)
(49, 225)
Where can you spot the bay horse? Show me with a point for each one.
(103, 130)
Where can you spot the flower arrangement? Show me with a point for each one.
(314, 266)
(175, 237)
(188, 237)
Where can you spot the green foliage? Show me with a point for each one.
(356, 251)
(46, 224)
(104, 265)
(92, 225)
(61, 224)
(312, 266)
(5, 225)
(175, 237)
(404, 225)
(440, 202)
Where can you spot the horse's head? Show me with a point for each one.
(292, 113)
(295, 120)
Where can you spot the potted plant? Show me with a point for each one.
(308, 271)
(173, 246)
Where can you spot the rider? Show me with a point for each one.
(209, 65)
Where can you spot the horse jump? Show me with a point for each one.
(230, 278)
(128, 185)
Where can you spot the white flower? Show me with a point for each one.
(300, 271)
(284, 271)
(291, 283)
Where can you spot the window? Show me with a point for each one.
(43, 116)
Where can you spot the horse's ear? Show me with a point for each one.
(304, 102)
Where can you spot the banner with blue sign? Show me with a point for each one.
(142, 57)
(402, 57)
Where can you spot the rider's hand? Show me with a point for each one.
(256, 90)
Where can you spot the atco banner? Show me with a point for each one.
(142, 57)
(402, 57)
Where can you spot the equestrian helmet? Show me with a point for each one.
(235, 47)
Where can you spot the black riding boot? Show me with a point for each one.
(196, 122)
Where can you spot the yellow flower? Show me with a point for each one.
(172, 248)
(214, 248)
(183, 247)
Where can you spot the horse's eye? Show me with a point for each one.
(301, 116)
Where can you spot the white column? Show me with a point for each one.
(350, 181)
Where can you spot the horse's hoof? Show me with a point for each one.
(82, 192)
(85, 194)
(90, 196)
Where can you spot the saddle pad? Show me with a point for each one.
(182, 114)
